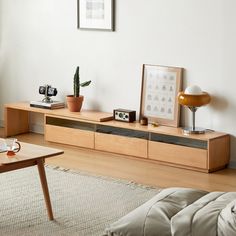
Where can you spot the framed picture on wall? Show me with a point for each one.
(160, 86)
(96, 14)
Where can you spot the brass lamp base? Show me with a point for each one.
(191, 130)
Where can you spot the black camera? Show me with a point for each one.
(47, 90)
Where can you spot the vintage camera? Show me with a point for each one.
(124, 115)
(48, 91)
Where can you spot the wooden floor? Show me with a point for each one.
(134, 169)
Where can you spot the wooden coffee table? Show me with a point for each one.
(31, 155)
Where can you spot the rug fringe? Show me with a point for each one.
(108, 178)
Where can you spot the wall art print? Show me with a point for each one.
(160, 86)
(96, 14)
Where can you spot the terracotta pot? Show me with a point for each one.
(74, 104)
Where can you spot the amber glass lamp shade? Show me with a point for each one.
(190, 100)
(193, 102)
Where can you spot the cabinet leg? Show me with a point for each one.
(15, 121)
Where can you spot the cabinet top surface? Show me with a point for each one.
(88, 115)
(104, 118)
(165, 130)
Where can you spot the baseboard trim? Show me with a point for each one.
(232, 165)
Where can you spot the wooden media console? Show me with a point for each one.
(96, 130)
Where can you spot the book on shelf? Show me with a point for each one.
(47, 105)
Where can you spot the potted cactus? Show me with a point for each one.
(74, 102)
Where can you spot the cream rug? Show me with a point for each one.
(83, 204)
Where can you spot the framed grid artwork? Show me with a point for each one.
(160, 87)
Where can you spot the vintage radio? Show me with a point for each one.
(124, 115)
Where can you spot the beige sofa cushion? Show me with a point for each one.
(213, 214)
(153, 217)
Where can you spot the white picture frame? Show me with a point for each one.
(96, 14)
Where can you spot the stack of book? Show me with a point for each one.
(47, 105)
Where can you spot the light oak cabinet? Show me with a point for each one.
(178, 150)
(166, 145)
(69, 132)
(180, 155)
(206, 152)
(121, 140)
(120, 144)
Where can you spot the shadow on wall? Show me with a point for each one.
(218, 102)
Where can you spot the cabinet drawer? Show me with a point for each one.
(76, 137)
(121, 144)
(193, 157)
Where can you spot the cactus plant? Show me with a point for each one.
(77, 83)
(74, 102)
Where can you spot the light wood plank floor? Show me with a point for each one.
(134, 169)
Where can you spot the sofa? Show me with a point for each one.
(180, 212)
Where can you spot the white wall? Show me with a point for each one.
(40, 43)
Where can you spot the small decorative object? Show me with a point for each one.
(143, 120)
(124, 115)
(193, 97)
(160, 86)
(154, 124)
(48, 91)
(74, 102)
(96, 14)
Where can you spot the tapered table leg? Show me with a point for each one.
(40, 164)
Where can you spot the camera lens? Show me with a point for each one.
(52, 91)
(41, 90)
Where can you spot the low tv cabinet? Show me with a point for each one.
(96, 130)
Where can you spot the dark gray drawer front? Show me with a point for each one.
(69, 123)
(179, 140)
(121, 131)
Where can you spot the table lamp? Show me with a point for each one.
(193, 97)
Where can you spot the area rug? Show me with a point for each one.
(83, 204)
